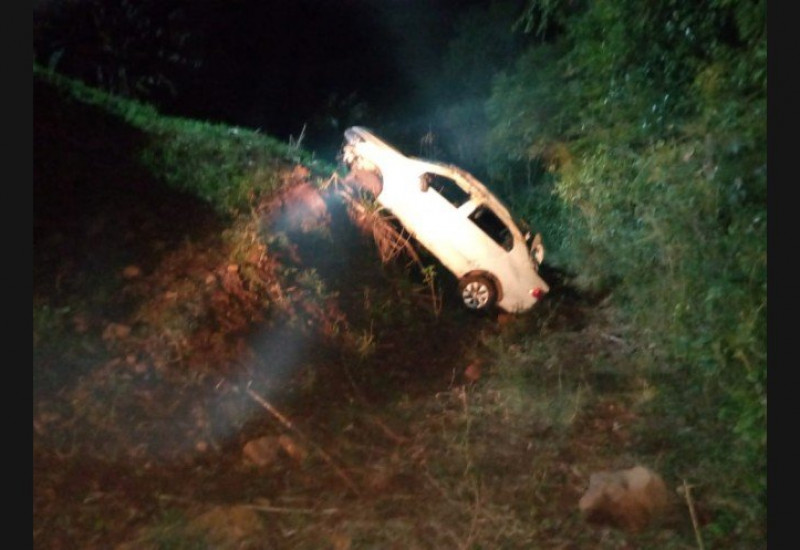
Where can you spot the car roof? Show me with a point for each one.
(367, 135)
(476, 188)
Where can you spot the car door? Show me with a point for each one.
(473, 236)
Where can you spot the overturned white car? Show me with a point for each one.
(456, 218)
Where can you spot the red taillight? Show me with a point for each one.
(537, 293)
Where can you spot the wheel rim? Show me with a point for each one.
(475, 295)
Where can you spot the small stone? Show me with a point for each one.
(627, 499)
(131, 272)
(473, 372)
(116, 331)
(81, 323)
(261, 452)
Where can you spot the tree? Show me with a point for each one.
(133, 49)
(650, 120)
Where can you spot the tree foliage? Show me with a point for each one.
(132, 49)
(646, 125)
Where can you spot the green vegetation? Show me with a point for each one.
(634, 136)
(644, 129)
(228, 167)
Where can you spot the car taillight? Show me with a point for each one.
(537, 293)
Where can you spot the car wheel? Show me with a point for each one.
(477, 292)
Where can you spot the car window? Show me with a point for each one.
(493, 226)
(446, 187)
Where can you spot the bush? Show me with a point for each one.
(644, 132)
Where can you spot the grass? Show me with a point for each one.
(439, 460)
(226, 166)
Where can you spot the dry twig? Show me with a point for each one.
(690, 503)
(285, 510)
(288, 423)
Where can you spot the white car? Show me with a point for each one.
(456, 218)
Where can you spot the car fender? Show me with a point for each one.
(495, 281)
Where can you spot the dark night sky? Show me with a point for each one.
(264, 64)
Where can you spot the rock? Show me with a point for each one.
(80, 323)
(264, 451)
(220, 528)
(626, 499)
(473, 372)
(228, 527)
(132, 272)
(340, 541)
(261, 452)
(116, 331)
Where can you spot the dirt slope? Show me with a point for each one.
(165, 341)
(147, 333)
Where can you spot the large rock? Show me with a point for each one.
(628, 499)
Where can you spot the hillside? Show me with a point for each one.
(259, 379)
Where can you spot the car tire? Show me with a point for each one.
(477, 292)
